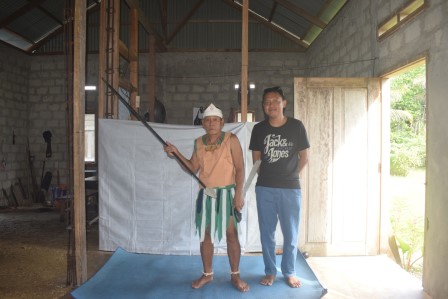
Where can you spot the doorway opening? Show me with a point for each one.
(406, 203)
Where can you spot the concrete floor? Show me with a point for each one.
(376, 277)
(25, 231)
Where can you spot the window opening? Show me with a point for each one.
(89, 133)
(403, 15)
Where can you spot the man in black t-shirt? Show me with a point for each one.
(281, 143)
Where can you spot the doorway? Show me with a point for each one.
(341, 183)
(405, 197)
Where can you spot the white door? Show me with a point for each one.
(341, 184)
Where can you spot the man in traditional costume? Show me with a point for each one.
(218, 158)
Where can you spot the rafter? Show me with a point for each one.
(185, 20)
(50, 15)
(18, 13)
(164, 17)
(271, 14)
(58, 31)
(301, 12)
(272, 26)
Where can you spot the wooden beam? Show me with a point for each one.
(271, 14)
(295, 50)
(146, 24)
(133, 64)
(79, 204)
(115, 57)
(301, 12)
(297, 40)
(244, 59)
(51, 16)
(184, 21)
(101, 112)
(133, 4)
(152, 78)
(126, 53)
(164, 17)
(152, 31)
(126, 84)
(58, 31)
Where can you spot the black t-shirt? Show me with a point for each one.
(279, 147)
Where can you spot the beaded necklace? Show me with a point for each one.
(216, 145)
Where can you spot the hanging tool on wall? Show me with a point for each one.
(209, 191)
(47, 138)
(31, 172)
(13, 195)
(8, 200)
(45, 182)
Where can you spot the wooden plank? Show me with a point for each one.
(320, 110)
(340, 82)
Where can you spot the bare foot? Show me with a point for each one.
(268, 280)
(293, 282)
(201, 281)
(238, 283)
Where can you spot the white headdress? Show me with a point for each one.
(212, 111)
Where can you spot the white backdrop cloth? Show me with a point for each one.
(147, 201)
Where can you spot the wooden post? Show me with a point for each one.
(115, 55)
(109, 59)
(101, 113)
(79, 207)
(152, 78)
(244, 59)
(133, 60)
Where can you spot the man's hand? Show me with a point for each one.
(170, 149)
(238, 201)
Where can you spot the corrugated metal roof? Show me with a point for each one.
(181, 25)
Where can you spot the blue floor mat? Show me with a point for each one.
(135, 276)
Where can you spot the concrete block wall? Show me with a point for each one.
(47, 102)
(14, 67)
(188, 80)
(344, 52)
(184, 81)
(347, 48)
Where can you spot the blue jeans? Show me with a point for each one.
(273, 205)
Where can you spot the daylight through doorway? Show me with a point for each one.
(408, 166)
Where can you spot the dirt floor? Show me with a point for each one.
(34, 250)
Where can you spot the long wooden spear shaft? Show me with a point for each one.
(210, 192)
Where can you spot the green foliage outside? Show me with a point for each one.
(406, 218)
(408, 156)
(408, 122)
